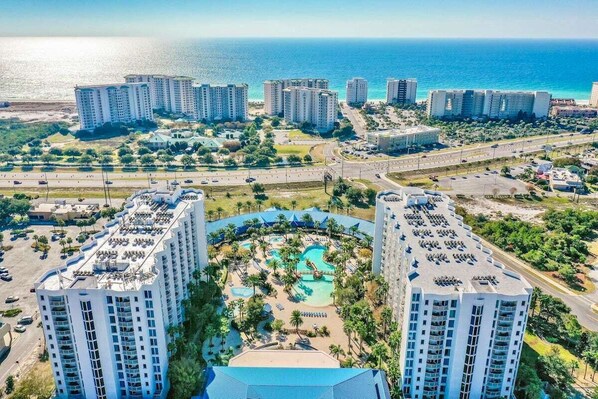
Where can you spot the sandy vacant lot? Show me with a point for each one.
(51, 111)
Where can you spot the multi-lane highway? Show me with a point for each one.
(71, 178)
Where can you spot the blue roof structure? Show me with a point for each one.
(294, 383)
(270, 217)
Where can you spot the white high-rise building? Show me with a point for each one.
(273, 92)
(357, 91)
(461, 313)
(105, 313)
(113, 103)
(401, 91)
(494, 104)
(594, 95)
(169, 93)
(221, 102)
(315, 106)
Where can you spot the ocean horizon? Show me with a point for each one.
(48, 68)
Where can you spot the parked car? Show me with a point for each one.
(42, 182)
(25, 320)
(6, 277)
(188, 181)
(11, 299)
(20, 328)
(204, 182)
(3, 270)
(378, 175)
(154, 182)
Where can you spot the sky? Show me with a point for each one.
(302, 18)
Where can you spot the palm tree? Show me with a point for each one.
(210, 214)
(239, 207)
(219, 211)
(349, 362)
(274, 264)
(35, 238)
(254, 280)
(248, 205)
(336, 350)
(293, 204)
(307, 220)
(296, 321)
(259, 204)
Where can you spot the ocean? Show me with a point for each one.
(48, 68)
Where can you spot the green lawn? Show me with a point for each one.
(288, 149)
(58, 138)
(542, 347)
(297, 135)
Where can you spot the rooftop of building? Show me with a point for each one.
(293, 79)
(63, 206)
(446, 255)
(121, 257)
(120, 84)
(294, 383)
(284, 358)
(405, 131)
(240, 85)
(564, 174)
(491, 91)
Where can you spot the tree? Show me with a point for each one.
(278, 325)
(187, 161)
(505, 171)
(254, 280)
(380, 352)
(527, 385)
(185, 377)
(10, 384)
(147, 159)
(296, 321)
(336, 350)
(127, 159)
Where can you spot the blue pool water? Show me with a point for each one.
(310, 291)
(246, 245)
(276, 239)
(243, 292)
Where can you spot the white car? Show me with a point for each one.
(20, 328)
(11, 299)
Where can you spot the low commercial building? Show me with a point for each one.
(564, 180)
(573, 112)
(276, 374)
(400, 139)
(61, 210)
(461, 313)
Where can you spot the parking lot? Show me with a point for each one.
(484, 183)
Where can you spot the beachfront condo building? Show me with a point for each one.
(105, 313)
(394, 140)
(168, 93)
(401, 91)
(357, 91)
(461, 313)
(594, 95)
(318, 107)
(113, 103)
(494, 104)
(220, 102)
(273, 92)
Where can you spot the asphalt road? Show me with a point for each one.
(64, 178)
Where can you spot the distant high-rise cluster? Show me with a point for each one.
(357, 91)
(487, 103)
(220, 102)
(317, 107)
(594, 95)
(143, 93)
(462, 315)
(273, 91)
(114, 103)
(401, 91)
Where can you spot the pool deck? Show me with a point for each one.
(333, 321)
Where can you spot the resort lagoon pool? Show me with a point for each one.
(309, 290)
(246, 245)
(242, 292)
